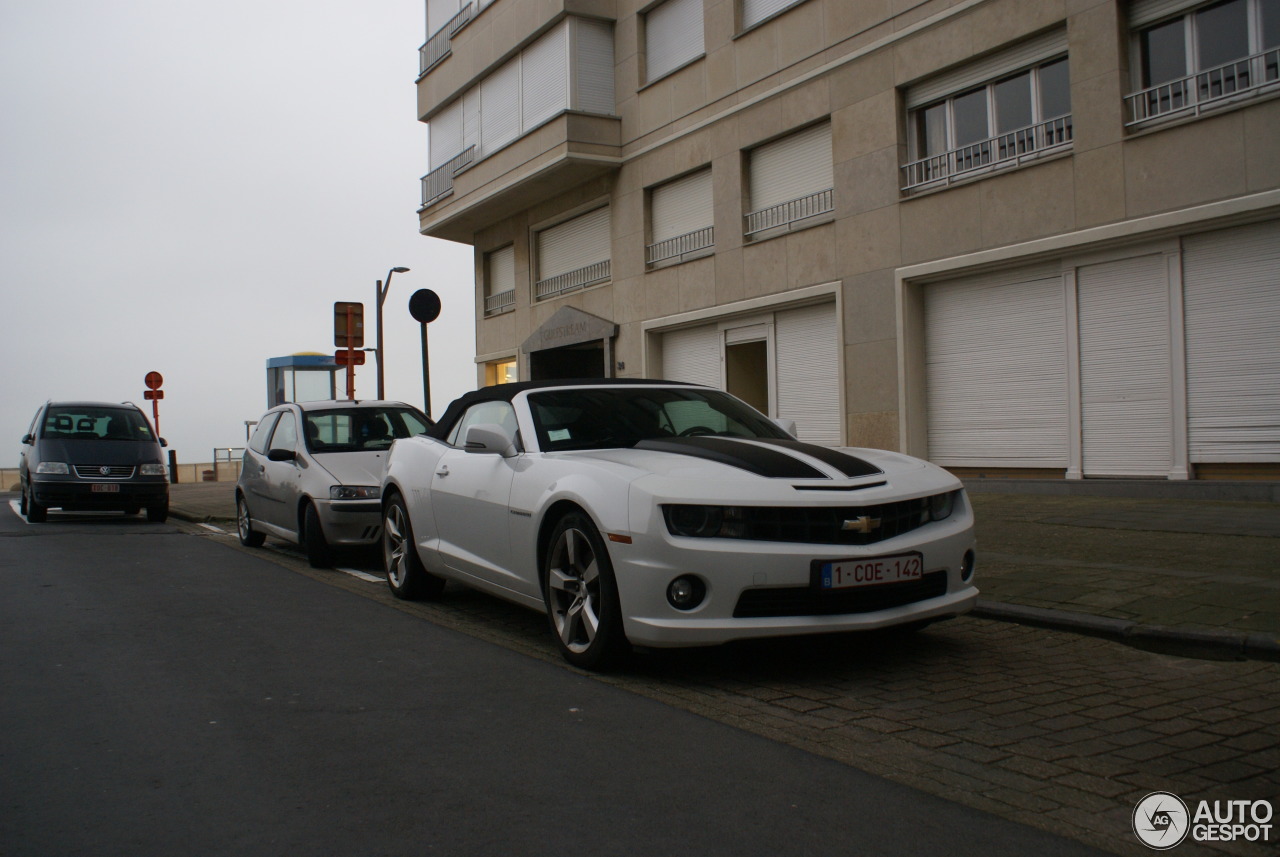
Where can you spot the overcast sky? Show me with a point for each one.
(187, 187)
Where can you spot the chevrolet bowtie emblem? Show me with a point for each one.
(862, 524)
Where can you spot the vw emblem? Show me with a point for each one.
(104, 470)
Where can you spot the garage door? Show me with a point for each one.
(995, 370)
(1232, 286)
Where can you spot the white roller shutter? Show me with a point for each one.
(682, 206)
(1125, 400)
(502, 271)
(672, 36)
(808, 372)
(545, 77)
(755, 11)
(996, 371)
(500, 107)
(987, 69)
(1143, 12)
(791, 168)
(444, 133)
(574, 244)
(692, 355)
(1231, 281)
(593, 66)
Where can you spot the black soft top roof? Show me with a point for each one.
(507, 392)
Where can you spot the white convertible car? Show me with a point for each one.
(660, 514)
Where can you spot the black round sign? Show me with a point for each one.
(424, 306)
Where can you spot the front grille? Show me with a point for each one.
(820, 525)
(96, 471)
(808, 601)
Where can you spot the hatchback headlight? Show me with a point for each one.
(354, 492)
(154, 470)
(53, 468)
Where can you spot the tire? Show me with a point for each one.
(36, 514)
(581, 595)
(158, 513)
(406, 575)
(249, 537)
(22, 502)
(319, 554)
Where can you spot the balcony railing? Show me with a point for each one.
(438, 183)
(501, 302)
(1006, 150)
(681, 247)
(438, 46)
(571, 281)
(1197, 92)
(788, 213)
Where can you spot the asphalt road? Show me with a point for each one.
(169, 694)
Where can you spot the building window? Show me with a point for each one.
(570, 67)
(574, 254)
(672, 37)
(501, 372)
(444, 19)
(790, 182)
(1004, 111)
(681, 220)
(500, 280)
(1203, 57)
(757, 11)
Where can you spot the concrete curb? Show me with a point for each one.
(1183, 642)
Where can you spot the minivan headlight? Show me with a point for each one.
(154, 470)
(354, 492)
(53, 468)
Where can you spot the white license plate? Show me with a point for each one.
(104, 488)
(871, 571)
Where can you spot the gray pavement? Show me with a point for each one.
(1189, 569)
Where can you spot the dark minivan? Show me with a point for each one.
(98, 456)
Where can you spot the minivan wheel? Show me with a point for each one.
(319, 554)
(36, 514)
(158, 513)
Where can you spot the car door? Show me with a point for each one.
(253, 467)
(280, 475)
(470, 496)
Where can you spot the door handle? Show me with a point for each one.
(442, 470)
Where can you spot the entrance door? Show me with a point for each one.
(1126, 410)
(573, 361)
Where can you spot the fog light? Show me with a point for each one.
(686, 592)
(966, 566)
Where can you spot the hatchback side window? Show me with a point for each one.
(258, 443)
(286, 433)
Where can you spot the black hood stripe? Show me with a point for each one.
(754, 458)
(847, 464)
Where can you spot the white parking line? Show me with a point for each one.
(363, 575)
(215, 529)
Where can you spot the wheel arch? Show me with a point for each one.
(554, 514)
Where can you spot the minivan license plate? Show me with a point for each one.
(844, 573)
(104, 488)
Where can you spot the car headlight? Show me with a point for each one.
(154, 470)
(942, 505)
(705, 522)
(53, 468)
(354, 492)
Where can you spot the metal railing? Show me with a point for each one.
(438, 183)
(680, 246)
(1202, 90)
(502, 301)
(572, 280)
(437, 47)
(790, 212)
(1006, 150)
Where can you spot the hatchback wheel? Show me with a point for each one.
(406, 575)
(582, 595)
(249, 537)
(319, 553)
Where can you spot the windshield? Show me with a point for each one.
(360, 429)
(610, 418)
(81, 422)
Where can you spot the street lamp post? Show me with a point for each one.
(382, 297)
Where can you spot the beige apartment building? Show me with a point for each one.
(1035, 237)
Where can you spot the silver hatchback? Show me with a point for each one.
(312, 471)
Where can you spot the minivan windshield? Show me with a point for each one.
(87, 422)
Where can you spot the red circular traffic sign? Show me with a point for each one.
(154, 380)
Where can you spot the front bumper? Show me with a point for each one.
(350, 522)
(768, 589)
(76, 494)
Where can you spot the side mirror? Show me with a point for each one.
(163, 442)
(29, 439)
(282, 455)
(789, 426)
(489, 439)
